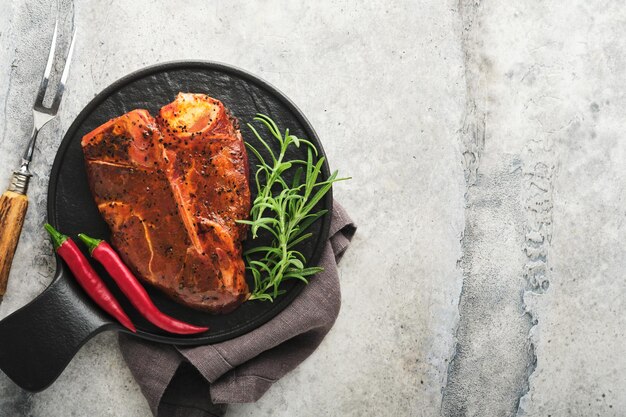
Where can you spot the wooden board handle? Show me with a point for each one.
(12, 212)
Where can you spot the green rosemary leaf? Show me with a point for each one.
(312, 178)
(309, 144)
(269, 123)
(296, 177)
(296, 140)
(311, 271)
(260, 249)
(297, 263)
(269, 149)
(296, 276)
(294, 242)
(257, 154)
(317, 197)
(307, 221)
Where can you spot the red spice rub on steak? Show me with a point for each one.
(171, 190)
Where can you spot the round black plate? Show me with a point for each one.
(72, 210)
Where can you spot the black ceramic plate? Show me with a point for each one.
(54, 326)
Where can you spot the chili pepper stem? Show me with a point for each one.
(91, 242)
(58, 238)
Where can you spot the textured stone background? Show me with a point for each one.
(484, 138)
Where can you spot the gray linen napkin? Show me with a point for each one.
(199, 381)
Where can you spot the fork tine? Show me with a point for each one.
(46, 75)
(66, 70)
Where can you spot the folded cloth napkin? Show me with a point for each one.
(199, 381)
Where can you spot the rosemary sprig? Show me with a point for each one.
(283, 210)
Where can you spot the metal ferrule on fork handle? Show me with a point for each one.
(21, 177)
(19, 182)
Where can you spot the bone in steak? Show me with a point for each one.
(171, 190)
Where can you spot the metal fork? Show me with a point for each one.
(14, 202)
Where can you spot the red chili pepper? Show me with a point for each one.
(136, 293)
(87, 277)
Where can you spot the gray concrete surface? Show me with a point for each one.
(484, 142)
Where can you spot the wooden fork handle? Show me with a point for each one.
(13, 207)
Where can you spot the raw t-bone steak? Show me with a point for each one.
(171, 190)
